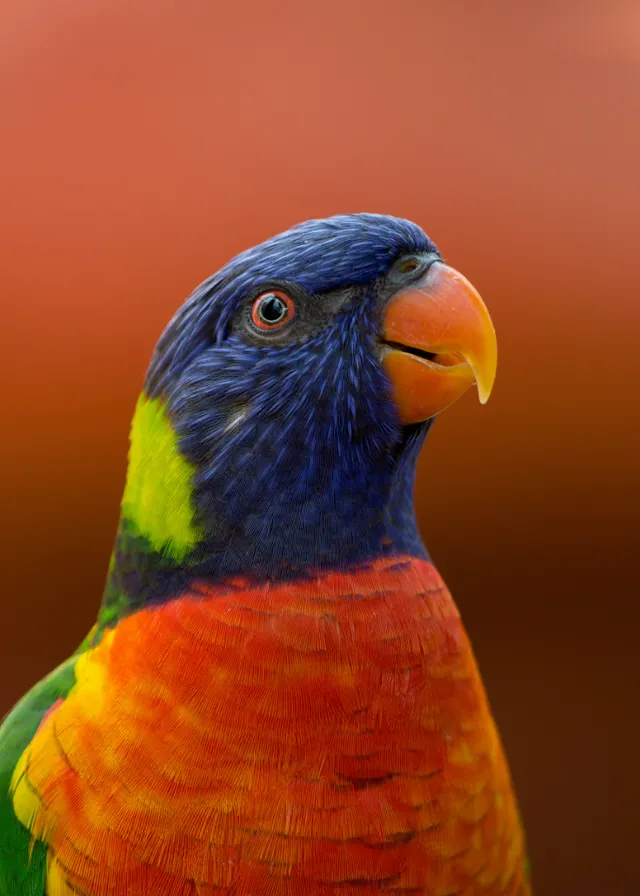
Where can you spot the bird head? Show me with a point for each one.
(287, 400)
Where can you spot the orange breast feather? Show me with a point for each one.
(291, 739)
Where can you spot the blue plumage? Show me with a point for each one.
(301, 462)
(320, 255)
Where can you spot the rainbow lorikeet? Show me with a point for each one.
(278, 696)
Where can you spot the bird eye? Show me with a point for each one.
(271, 310)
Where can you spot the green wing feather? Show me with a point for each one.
(23, 862)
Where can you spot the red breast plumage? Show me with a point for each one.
(293, 739)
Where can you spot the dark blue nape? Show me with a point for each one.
(301, 462)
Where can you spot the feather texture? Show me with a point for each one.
(278, 696)
(293, 738)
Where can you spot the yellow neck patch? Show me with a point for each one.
(157, 498)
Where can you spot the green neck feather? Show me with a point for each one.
(157, 500)
(157, 522)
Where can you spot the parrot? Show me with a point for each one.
(278, 696)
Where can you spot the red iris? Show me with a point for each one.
(272, 310)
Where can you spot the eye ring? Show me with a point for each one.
(271, 310)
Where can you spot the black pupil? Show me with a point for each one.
(272, 310)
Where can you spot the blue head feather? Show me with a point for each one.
(301, 461)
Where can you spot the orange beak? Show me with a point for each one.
(438, 340)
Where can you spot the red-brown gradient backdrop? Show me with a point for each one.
(143, 143)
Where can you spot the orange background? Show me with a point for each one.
(144, 143)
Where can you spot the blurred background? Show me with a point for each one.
(143, 144)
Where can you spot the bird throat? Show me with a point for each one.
(165, 541)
